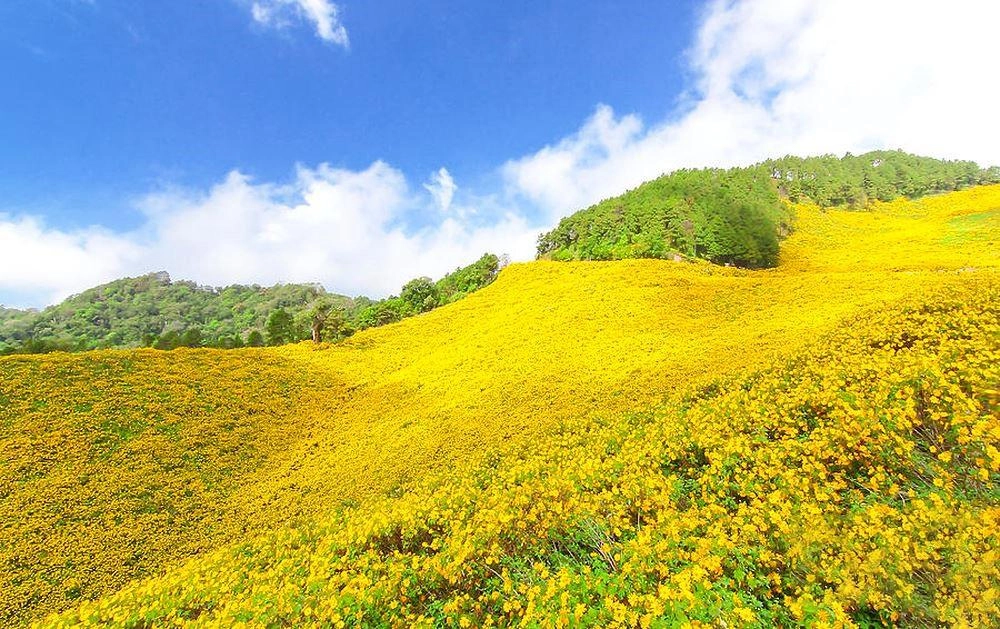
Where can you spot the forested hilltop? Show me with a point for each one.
(736, 216)
(155, 311)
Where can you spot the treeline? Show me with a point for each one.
(857, 180)
(155, 311)
(736, 216)
(328, 321)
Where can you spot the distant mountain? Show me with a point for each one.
(6, 313)
(153, 310)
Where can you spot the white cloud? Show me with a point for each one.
(47, 265)
(574, 171)
(442, 187)
(340, 227)
(324, 15)
(794, 76)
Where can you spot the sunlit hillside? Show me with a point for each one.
(499, 458)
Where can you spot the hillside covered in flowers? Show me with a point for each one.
(626, 443)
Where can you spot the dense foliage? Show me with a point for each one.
(422, 294)
(737, 216)
(724, 216)
(856, 180)
(503, 458)
(154, 311)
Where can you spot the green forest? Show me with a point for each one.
(155, 311)
(736, 216)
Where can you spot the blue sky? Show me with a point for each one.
(132, 95)
(363, 143)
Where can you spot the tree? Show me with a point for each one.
(337, 325)
(191, 337)
(421, 294)
(317, 317)
(465, 280)
(255, 339)
(280, 327)
(383, 313)
(168, 340)
(229, 342)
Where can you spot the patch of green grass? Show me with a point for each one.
(981, 226)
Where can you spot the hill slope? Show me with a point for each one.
(199, 449)
(857, 484)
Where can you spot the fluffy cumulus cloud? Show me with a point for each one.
(324, 15)
(343, 228)
(770, 77)
(45, 265)
(774, 77)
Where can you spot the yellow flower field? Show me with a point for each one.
(858, 481)
(637, 443)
